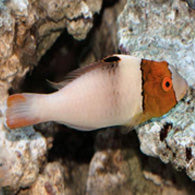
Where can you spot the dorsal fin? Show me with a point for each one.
(73, 75)
(56, 85)
(109, 63)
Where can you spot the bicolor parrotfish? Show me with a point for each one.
(119, 90)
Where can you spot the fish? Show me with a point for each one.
(118, 90)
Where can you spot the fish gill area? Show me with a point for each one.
(44, 40)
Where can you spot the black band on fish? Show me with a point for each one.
(142, 93)
(112, 59)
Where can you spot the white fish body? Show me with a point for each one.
(107, 93)
(96, 99)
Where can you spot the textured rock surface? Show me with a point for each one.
(119, 168)
(22, 153)
(191, 3)
(172, 139)
(164, 30)
(152, 29)
(28, 28)
(51, 181)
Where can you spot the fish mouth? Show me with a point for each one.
(183, 91)
(180, 85)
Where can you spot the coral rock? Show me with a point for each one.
(22, 154)
(164, 30)
(51, 181)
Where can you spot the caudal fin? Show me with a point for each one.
(20, 111)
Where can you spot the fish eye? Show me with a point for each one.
(167, 84)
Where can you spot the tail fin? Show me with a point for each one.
(19, 112)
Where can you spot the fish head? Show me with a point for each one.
(163, 87)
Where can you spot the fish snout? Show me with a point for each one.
(180, 85)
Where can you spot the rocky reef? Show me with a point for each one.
(42, 40)
(165, 31)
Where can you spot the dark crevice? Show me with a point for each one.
(64, 56)
(165, 130)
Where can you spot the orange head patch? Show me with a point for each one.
(158, 93)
